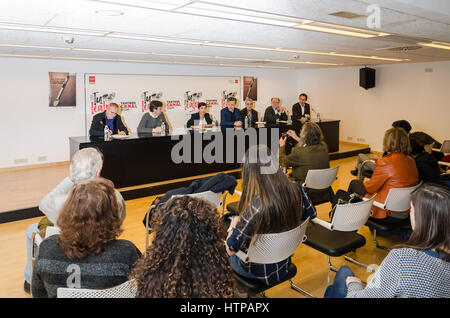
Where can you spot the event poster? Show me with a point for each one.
(180, 95)
(250, 87)
(63, 89)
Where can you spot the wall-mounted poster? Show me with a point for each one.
(63, 89)
(250, 87)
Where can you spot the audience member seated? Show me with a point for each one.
(270, 203)
(249, 112)
(187, 257)
(396, 169)
(427, 166)
(419, 270)
(86, 253)
(230, 116)
(426, 140)
(85, 165)
(275, 112)
(152, 121)
(311, 152)
(421, 137)
(202, 119)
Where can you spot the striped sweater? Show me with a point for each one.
(407, 273)
(54, 269)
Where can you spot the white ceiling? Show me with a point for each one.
(407, 21)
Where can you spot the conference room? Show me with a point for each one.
(285, 149)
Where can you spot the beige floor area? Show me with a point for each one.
(313, 272)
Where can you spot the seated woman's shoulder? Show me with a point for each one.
(123, 243)
(125, 246)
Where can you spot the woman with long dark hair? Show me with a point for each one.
(187, 256)
(270, 203)
(422, 267)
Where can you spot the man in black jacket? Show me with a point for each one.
(301, 111)
(275, 112)
(249, 112)
(109, 118)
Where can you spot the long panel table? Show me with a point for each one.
(144, 159)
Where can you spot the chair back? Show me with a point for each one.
(214, 198)
(52, 230)
(320, 178)
(445, 148)
(398, 199)
(352, 216)
(274, 247)
(125, 290)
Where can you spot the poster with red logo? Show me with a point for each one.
(180, 96)
(63, 89)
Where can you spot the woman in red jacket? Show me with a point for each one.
(396, 169)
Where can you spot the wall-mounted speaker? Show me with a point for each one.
(367, 77)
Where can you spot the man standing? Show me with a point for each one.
(301, 111)
(275, 112)
(230, 116)
(151, 122)
(108, 118)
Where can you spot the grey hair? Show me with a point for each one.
(85, 164)
(311, 134)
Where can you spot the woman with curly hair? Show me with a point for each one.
(187, 257)
(86, 254)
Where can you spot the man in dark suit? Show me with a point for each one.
(275, 112)
(301, 111)
(109, 118)
(230, 116)
(249, 112)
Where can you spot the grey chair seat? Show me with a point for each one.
(253, 286)
(384, 228)
(331, 242)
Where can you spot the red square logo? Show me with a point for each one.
(236, 81)
(91, 79)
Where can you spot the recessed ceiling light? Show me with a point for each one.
(109, 13)
(347, 15)
(437, 45)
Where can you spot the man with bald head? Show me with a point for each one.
(108, 118)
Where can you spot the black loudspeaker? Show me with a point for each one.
(367, 77)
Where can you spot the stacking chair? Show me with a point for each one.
(124, 290)
(445, 147)
(36, 240)
(320, 179)
(397, 201)
(445, 150)
(339, 237)
(268, 249)
(214, 198)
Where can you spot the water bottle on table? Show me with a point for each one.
(163, 128)
(106, 133)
